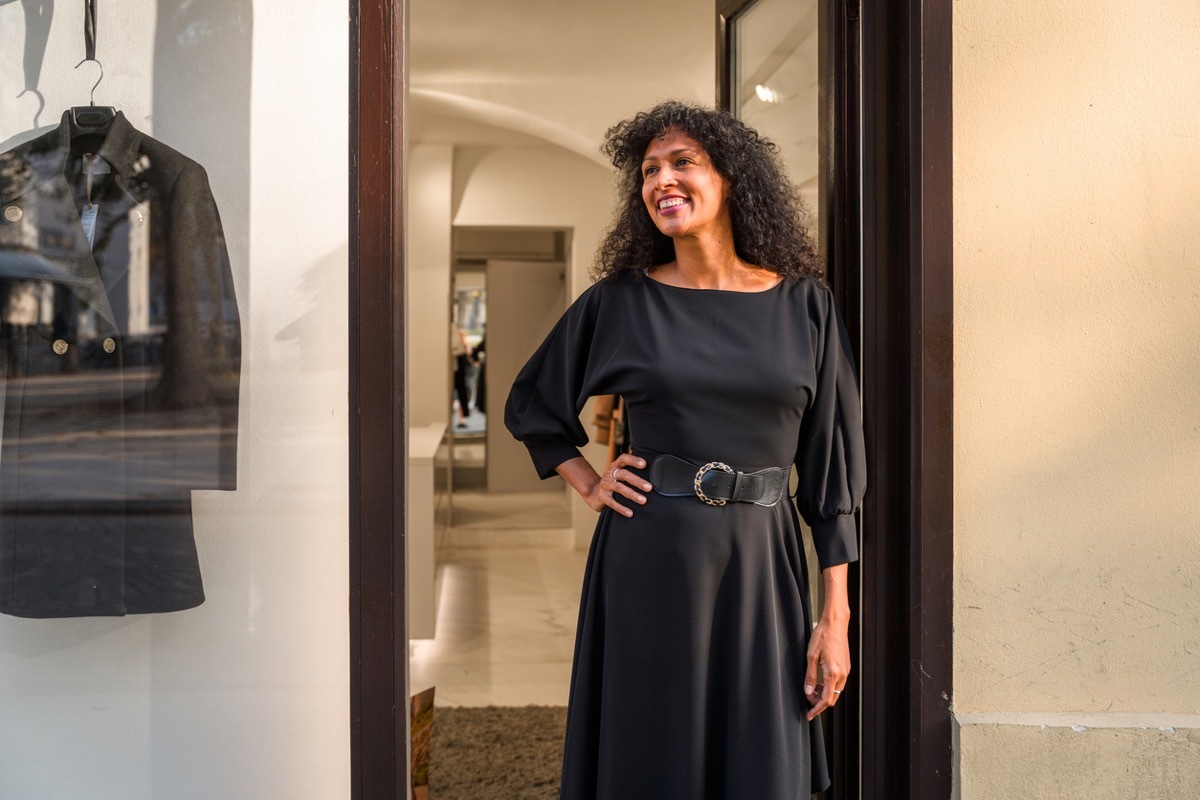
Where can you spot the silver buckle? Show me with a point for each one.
(709, 467)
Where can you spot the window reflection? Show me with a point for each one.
(121, 351)
(776, 87)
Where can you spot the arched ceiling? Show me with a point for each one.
(558, 71)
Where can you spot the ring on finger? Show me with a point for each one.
(837, 691)
(612, 474)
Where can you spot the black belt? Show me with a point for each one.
(716, 483)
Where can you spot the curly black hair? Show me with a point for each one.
(766, 209)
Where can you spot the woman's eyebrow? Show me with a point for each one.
(670, 154)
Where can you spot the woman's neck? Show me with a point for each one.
(711, 262)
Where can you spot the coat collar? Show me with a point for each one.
(44, 158)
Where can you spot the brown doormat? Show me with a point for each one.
(497, 753)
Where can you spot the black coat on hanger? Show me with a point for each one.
(120, 349)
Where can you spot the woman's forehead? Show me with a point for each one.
(670, 141)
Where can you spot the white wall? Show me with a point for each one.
(540, 187)
(534, 187)
(428, 241)
(245, 696)
(127, 29)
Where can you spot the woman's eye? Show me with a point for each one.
(649, 171)
(681, 162)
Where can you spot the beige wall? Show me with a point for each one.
(1064, 762)
(1077, 384)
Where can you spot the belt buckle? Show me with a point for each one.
(709, 467)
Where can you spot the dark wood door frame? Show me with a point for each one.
(886, 79)
(908, 325)
(378, 626)
(899, 308)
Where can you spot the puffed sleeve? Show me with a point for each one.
(830, 458)
(549, 392)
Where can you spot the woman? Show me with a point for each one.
(697, 672)
(460, 349)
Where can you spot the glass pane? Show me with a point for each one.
(777, 91)
(777, 87)
(173, 376)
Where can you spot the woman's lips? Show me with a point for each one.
(670, 205)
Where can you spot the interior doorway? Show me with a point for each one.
(508, 286)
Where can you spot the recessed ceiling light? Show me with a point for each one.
(767, 94)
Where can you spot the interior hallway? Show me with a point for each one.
(508, 580)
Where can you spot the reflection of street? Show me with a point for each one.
(75, 424)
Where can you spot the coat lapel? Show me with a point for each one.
(122, 209)
(36, 180)
(81, 273)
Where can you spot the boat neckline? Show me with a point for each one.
(769, 289)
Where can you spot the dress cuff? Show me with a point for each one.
(836, 540)
(549, 453)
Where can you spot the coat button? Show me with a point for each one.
(110, 345)
(60, 346)
(13, 214)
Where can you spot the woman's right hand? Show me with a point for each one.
(618, 480)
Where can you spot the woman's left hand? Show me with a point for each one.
(828, 651)
(829, 647)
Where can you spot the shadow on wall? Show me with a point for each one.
(38, 16)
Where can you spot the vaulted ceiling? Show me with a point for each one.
(562, 71)
(524, 72)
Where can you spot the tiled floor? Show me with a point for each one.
(509, 597)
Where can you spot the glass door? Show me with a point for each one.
(789, 69)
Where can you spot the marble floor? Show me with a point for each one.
(508, 583)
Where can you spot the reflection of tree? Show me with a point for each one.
(201, 311)
(184, 382)
(14, 172)
(202, 63)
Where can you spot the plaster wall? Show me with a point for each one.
(540, 187)
(1071, 761)
(428, 274)
(246, 695)
(1077, 395)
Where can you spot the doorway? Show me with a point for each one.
(896, 78)
(508, 287)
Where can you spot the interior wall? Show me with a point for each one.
(227, 699)
(428, 273)
(1077, 391)
(540, 187)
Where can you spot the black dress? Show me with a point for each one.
(693, 625)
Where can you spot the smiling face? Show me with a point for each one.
(682, 190)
